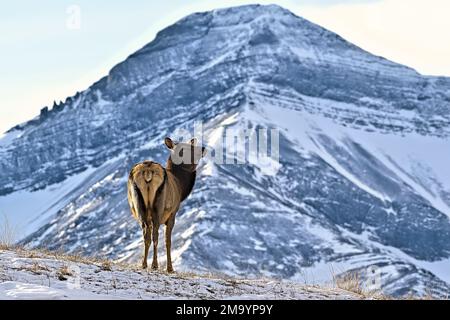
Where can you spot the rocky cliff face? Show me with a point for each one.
(362, 184)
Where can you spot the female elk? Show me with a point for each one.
(155, 193)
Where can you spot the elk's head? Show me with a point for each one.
(185, 154)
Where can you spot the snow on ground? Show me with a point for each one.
(36, 275)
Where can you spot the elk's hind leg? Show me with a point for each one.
(155, 235)
(169, 227)
(147, 234)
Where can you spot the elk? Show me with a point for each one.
(155, 193)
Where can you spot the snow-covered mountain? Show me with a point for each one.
(363, 183)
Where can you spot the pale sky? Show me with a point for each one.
(46, 56)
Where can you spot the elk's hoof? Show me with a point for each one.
(154, 266)
(144, 265)
(170, 270)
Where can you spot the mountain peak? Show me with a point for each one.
(262, 33)
(253, 9)
(240, 15)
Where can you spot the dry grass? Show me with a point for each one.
(59, 255)
(63, 273)
(352, 282)
(106, 266)
(349, 282)
(203, 275)
(7, 233)
(37, 268)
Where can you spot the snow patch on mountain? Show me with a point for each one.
(27, 211)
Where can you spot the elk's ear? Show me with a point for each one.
(169, 143)
(193, 141)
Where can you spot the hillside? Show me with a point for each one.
(38, 275)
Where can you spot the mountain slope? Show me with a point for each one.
(362, 183)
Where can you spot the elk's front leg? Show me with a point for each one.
(155, 236)
(147, 234)
(169, 227)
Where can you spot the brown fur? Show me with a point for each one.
(155, 194)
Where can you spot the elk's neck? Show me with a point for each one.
(185, 177)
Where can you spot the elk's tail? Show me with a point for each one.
(137, 202)
(145, 180)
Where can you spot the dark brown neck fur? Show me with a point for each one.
(185, 174)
